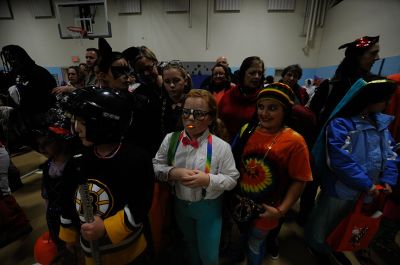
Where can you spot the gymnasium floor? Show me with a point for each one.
(20, 252)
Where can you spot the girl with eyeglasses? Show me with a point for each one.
(200, 167)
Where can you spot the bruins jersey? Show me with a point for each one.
(120, 190)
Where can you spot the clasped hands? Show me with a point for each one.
(191, 178)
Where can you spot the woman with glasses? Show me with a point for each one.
(220, 81)
(200, 167)
(273, 161)
(114, 72)
(145, 63)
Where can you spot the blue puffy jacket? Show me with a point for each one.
(358, 156)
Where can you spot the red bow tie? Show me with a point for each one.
(186, 141)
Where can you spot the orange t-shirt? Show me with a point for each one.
(266, 175)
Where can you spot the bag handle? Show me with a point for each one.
(360, 203)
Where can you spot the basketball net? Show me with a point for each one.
(77, 33)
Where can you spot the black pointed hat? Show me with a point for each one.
(359, 46)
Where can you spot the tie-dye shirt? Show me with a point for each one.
(267, 180)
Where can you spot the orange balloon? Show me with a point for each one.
(45, 250)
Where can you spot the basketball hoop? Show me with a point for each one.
(77, 33)
(82, 19)
(81, 32)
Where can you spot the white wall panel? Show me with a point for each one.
(227, 5)
(129, 6)
(281, 5)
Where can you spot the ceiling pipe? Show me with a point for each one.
(207, 18)
(318, 12)
(306, 12)
(315, 14)
(324, 8)
(190, 13)
(306, 47)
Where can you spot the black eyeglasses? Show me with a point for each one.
(118, 71)
(197, 114)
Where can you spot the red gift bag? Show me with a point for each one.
(355, 232)
(161, 216)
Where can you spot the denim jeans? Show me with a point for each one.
(256, 246)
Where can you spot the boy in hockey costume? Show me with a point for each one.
(116, 181)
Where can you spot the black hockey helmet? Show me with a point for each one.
(106, 112)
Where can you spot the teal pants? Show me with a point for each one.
(200, 222)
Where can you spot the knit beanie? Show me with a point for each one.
(278, 91)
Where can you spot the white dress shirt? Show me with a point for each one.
(223, 173)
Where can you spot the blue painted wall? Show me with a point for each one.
(57, 74)
(391, 65)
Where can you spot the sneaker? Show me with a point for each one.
(273, 250)
(341, 258)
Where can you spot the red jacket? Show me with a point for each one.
(236, 109)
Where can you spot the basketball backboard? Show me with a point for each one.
(90, 16)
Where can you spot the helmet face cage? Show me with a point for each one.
(106, 113)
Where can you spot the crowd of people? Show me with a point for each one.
(143, 168)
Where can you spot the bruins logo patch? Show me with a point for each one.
(100, 196)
